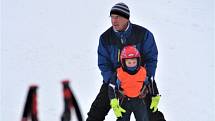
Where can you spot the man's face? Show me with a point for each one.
(131, 62)
(119, 23)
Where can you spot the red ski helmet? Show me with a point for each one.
(127, 53)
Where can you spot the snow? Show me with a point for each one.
(46, 41)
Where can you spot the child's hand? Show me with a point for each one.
(116, 108)
(154, 103)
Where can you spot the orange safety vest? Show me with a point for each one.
(131, 84)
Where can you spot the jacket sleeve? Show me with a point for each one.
(104, 61)
(150, 54)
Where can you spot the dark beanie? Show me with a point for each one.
(120, 9)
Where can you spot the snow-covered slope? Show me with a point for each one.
(46, 41)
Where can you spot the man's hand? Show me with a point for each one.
(116, 108)
(154, 103)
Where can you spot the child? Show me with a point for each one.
(130, 81)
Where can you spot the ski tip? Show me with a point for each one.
(66, 81)
(33, 86)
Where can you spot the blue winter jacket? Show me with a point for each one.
(111, 43)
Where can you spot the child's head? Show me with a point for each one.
(130, 59)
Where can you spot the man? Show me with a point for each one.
(123, 33)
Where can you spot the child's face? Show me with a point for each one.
(131, 62)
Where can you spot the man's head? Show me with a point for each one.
(120, 16)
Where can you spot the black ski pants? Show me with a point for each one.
(101, 106)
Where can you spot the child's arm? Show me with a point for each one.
(114, 103)
(152, 86)
(112, 86)
(153, 90)
(144, 91)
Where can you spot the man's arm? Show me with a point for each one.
(150, 54)
(104, 61)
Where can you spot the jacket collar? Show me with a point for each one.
(125, 33)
